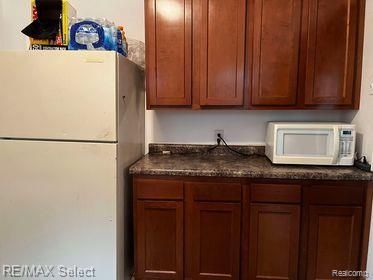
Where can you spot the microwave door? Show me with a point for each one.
(308, 146)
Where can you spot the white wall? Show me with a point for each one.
(364, 117)
(15, 15)
(1, 24)
(129, 13)
(240, 127)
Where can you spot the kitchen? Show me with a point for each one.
(241, 126)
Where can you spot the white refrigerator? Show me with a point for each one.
(71, 123)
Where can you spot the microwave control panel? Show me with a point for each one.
(347, 143)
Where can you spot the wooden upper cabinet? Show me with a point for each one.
(280, 54)
(333, 240)
(219, 51)
(331, 50)
(276, 36)
(168, 52)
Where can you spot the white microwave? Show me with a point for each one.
(311, 143)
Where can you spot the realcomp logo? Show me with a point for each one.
(47, 271)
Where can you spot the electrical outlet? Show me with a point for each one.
(219, 131)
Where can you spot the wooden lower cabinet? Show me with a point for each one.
(274, 241)
(334, 240)
(159, 237)
(215, 240)
(217, 229)
(213, 231)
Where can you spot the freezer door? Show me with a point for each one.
(58, 95)
(58, 205)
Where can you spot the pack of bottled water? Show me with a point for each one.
(96, 34)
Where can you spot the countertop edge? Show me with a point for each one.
(250, 175)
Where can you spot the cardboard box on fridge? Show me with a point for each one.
(68, 12)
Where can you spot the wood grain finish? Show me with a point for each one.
(256, 54)
(159, 240)
(211, 228)
(276, 35)
(215, 237)
(214, 191)
(330, 193)
(168, 52)
(331, 47)
(159, 189)
(359, 55)
(274, 241)
(219, 40)
(334, 240)
(366, 226)
(276, 193)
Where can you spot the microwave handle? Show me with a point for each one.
(336, 145)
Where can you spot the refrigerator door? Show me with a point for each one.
(58, 95)
(58, 205)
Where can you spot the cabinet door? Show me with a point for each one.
(274, 241)
(331, 48)
(333, 240)
(159, 240)
(219, 50)
(168, 52)
(275, 51)
(216, 231)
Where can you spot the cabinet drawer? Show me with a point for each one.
(276, 193)
(227, 192)
(159, 189)
(351, 194)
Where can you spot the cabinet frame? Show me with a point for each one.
(356, 68)
(153, 101)
(346, 95)
(195, 63)
(289, 193)
(293, 211)
(217, 196)
(234, 209)
(142, 271)
(257, 37)
(317, 211)
(202, 64)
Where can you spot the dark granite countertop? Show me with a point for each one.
(230, 165)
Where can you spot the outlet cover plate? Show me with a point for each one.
(219, 131)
